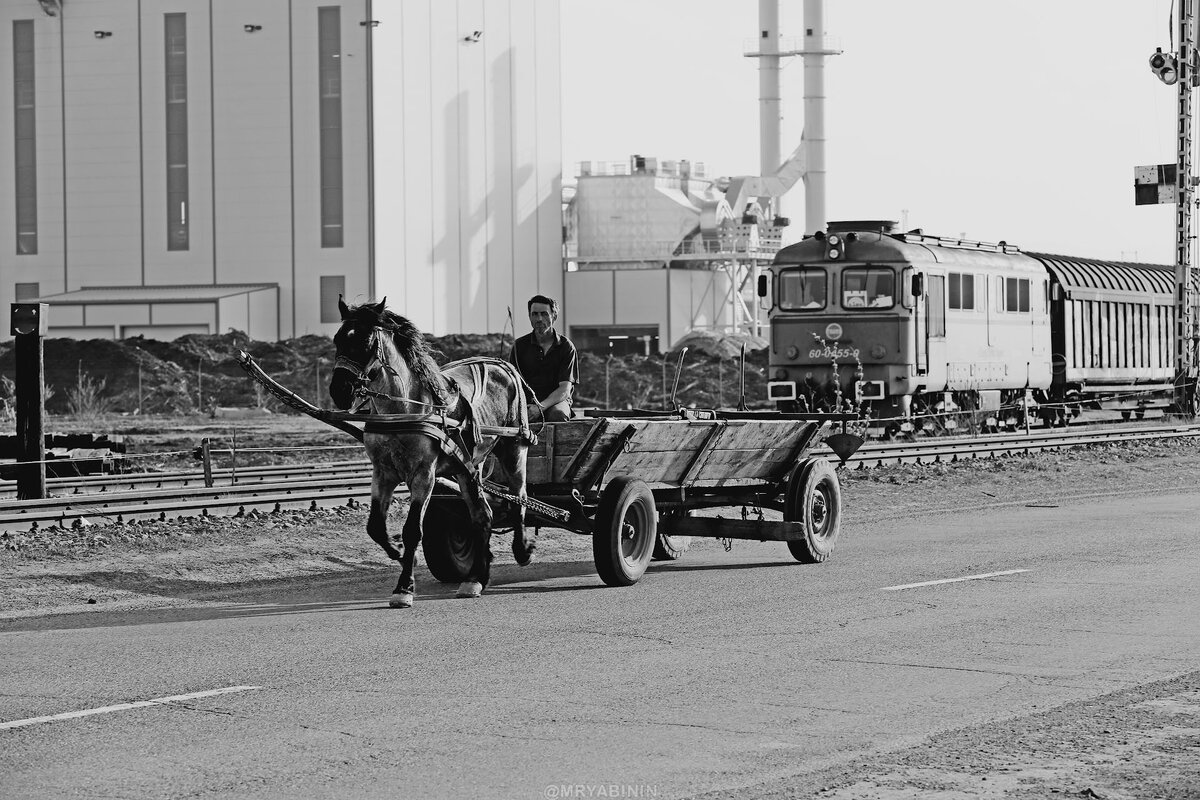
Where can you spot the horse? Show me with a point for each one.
(384, 361)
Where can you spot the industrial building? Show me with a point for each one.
(189, 166)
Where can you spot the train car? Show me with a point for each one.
(1112, 336)
(921, 332)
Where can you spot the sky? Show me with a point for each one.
(1020, 120)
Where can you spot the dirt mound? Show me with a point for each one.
(198, 373)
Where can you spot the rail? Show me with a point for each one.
(310, 486)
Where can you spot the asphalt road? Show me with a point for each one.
(726, 671)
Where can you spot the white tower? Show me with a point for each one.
(808, 159)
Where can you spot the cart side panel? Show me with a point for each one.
(688, 453)
(661, 452)
(567, 450)
(755, 451)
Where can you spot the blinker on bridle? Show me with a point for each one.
(365, 373)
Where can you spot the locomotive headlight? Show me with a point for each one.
(781, 374)
(833, 247)
(792, 352)
(878, 351)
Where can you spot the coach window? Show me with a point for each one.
(868, 287)
(802, 289)
(962, 291)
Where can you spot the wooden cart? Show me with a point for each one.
(631, 482)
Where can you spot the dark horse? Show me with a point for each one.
(382, 358)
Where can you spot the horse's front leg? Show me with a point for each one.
(481, 518)
(420, 487)
(383, 486)
(512, 463)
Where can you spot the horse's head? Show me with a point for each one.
(358, 351)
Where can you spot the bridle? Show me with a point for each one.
(364, 374)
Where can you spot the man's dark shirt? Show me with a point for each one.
(545, 371)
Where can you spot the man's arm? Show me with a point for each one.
(568, 376)
(563, 392)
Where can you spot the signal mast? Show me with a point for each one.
(1183, 68)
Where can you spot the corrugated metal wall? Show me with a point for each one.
(465, 141)
(468, 160)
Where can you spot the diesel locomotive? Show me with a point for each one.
(930, 332)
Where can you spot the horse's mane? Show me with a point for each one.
(412, 346)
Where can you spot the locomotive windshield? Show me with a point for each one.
(868, 287)
(802, 289)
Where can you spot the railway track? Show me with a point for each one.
(112, 498)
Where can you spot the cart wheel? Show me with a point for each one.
(670, 548)
(449, 543)
(625, 531)
(814, 498)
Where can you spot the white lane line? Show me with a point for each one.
(158, 701)
(952, 580)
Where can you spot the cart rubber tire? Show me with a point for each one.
(626, 530)
(449, 542)
(814, 498)
(670, 548)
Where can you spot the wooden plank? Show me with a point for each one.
(653, 467)
(569, 435)
(614, 439)
(715, 527)
(537, 470)
(599, 450)
(662, 436)
(749, 464)
(698, 457)
(568, 471)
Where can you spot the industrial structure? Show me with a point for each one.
(192, 167)
(656, 249)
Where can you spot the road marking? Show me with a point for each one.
(158, 701)
(952, 580)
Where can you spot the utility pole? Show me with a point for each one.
(1185, 285)
(1173, 183)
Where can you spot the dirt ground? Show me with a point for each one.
(1137, 743)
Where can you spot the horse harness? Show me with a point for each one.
(464, 440)
(436, 426)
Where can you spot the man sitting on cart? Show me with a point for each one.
(548, 362)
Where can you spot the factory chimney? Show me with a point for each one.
(814, 50)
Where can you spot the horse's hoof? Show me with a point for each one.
(470, 589)
(522, 553)
(401, 600)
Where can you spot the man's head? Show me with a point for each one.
(543, 312)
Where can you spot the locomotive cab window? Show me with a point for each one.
(868, 287)
(802, 289)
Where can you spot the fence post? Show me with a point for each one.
(28, 327)
(205, 450)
